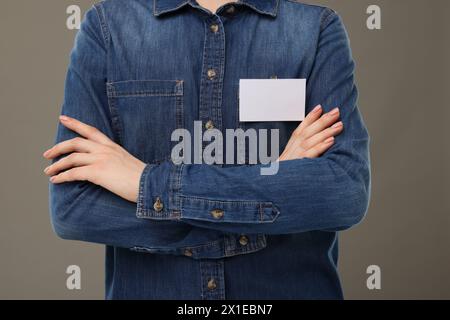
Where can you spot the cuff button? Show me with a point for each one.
(158, 205)
(217, 213)
(243, 240)
(188, 253)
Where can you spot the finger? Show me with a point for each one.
(319, 149)
(332, 131)
(325, 121)
(73, 145)
(294, 152)
(84, 130)
(76, 174)
(309, 119)
(72, 160)
(313, 115)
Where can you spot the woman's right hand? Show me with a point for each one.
(314, 135)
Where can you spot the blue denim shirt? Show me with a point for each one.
(141, 69)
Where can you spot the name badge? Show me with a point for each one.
(272, 99)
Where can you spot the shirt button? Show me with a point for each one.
(212, 284)
(188, 253)
(214, 28)
(217, 213)
(243, 240)
(209, 125)
(158, 205)
(231, 10)
(211, 74)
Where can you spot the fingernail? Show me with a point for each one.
(334, 112)
(47, 153)
(46, 169)
(52, 179)
(317, 108)
(329, 140)
(64, 118)
(337, 125)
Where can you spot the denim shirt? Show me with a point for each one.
(141, 69)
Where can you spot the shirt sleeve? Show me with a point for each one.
(82, 210)
(327, 193)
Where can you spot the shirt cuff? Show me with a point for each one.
(161, 198)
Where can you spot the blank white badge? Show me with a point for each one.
(272, 99)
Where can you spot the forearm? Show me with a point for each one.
(82, 210)
(328, 193)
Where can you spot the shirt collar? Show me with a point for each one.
(268, 7)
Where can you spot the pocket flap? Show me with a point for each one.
(137, 88)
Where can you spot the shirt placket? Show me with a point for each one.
(213, 69)
(212, 279)
(210, 114)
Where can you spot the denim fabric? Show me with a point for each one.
(138, 71)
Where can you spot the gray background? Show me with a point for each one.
(404, 88)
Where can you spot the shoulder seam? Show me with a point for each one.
(103, 25)
(327, 14)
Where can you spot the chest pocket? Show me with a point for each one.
(144, 115)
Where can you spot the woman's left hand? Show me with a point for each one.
(95, 158)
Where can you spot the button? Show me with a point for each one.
(214, 28)
(243, 240)
(231, 10)
(209, 125)
(188, 252)
(217, 213)
(211, 73)
(158, 205)
(212, 284)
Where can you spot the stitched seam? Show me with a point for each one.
(196, 247)
(103, 25)
(330, 11)
(177, 90)
(148, 80)
(203, 73)
(144, 94)
(219, 84)
(330, 14)
(140, 204)
(157, 13)
(271, 13)
(227, 220)
(115, 119)
(244, 202)
(256, 248)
